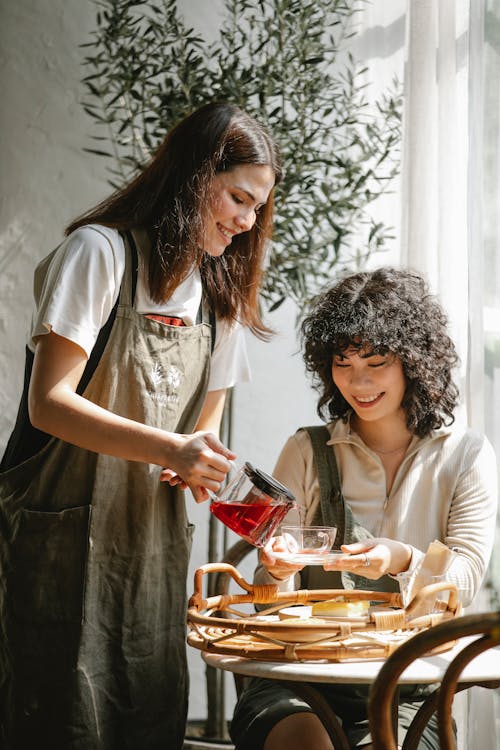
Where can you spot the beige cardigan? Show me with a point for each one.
(445, 488)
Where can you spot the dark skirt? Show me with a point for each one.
(264, 703)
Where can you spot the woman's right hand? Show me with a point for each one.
(200, 462)
(277, 568)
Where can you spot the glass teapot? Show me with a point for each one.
(253, 504)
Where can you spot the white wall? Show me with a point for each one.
(47, 179)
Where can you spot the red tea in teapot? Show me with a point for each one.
(252, 505)
(253, 522)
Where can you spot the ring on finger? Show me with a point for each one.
(366, 562)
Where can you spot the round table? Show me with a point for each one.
(429, 669)
(301, 676)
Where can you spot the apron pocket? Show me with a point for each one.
(49, 555)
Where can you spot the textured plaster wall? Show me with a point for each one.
(45, 178)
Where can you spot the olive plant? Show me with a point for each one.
(288, 63)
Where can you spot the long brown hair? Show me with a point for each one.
(169, 198)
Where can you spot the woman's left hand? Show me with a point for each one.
(373, 558)
(174, 480)
(278, 569)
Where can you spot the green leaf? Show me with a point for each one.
(98, 152)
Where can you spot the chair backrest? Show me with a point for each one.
(234, 555)
(383, 690)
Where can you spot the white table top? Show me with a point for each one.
(485, 667)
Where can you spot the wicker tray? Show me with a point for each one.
(216, 624)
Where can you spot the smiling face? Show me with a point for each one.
(237, 197)
(372, 384)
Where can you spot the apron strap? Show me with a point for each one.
(334, 511)
(127, 289)
(129, 280)
(331, 511)
(26, 440)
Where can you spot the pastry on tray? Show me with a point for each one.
(340, 607)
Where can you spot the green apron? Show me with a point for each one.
(334, 511)
(95, 558)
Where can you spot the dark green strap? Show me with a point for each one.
(331, 510)
(334, 511)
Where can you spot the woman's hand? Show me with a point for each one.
(174, 480)
(201, 463)
(373, 558)
(279, 569)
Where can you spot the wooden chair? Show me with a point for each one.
(383, 694)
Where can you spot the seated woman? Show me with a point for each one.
(377, 346)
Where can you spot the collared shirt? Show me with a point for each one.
(445, 488)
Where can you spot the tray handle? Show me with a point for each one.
(263, 593)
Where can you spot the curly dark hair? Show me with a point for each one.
(385, 311)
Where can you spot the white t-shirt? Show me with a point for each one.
(76, 291)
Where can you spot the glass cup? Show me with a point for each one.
(406, 581)
(308, 540)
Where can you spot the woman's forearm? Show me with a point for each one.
(55, 407)
(77, 420)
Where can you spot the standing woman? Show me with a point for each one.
(136, 335)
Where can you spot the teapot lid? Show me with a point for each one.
(267, 483)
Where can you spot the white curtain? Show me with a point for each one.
(447, 100)
(434, 232)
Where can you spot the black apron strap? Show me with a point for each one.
(25, 440)
(213, 325)
(103, 335)
(128, 288)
